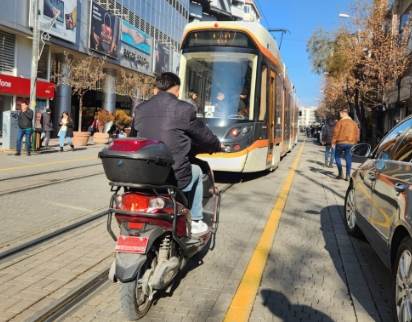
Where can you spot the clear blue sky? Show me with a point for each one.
(301, 18)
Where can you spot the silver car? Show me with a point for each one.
(378, 203)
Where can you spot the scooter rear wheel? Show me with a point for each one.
(133, 302)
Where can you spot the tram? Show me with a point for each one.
(233, 73)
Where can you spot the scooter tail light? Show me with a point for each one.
(135, 225)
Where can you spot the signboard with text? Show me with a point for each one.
(104, 32)
(59, 18)
(20, 86)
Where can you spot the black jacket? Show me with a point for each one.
(25, 119)
(172, 121)
(46, 122)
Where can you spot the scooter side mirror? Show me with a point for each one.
(361, 151)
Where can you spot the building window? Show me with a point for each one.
(7, 50)
(247, 9)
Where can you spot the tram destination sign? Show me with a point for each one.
(226, 38)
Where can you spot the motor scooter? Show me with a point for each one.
(154, 242)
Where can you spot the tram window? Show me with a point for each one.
(263, 93)
(223, 84)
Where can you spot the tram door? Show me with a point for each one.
(271, 118)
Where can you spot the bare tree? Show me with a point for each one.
(134, 85)
(83, 74)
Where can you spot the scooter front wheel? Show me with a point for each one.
(134, 302)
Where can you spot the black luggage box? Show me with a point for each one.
(137, 161)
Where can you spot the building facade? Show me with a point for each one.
(399, 100)
(202, 10)
(134, 35)
(307, 116)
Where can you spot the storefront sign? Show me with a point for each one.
(134, 59)
(19, 86)
(104, 32)
(136, 38)
(59, 18)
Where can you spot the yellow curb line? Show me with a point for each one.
(244, 298)
(39, 165)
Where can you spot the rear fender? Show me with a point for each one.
(129, 265)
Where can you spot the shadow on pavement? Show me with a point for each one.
(362, 255)
(280, 306)
(302, 173)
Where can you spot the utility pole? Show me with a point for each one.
(35, 53)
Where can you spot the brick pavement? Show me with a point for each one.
(31, 282)
(315, 271)
(205, 291)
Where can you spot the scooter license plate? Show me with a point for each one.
(131, 244)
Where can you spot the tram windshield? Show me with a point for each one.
(219, 84)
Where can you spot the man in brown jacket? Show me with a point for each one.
(345, 135)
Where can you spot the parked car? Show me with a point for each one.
(378, 203)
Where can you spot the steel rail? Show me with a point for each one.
(48, 172)
(34, 242)
(51, 182)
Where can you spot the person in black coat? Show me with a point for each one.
(25, 123)
(47, 126)
(170, 120)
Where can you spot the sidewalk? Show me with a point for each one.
(315, 271)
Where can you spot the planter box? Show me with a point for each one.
(80, 138)
(100, 138)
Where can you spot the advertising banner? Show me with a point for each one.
(136, 38)
(161, 58)
(59, 18)
(104, 32)
(136, 60)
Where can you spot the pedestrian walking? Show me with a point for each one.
(345, 135)
(25, 123)
(38, 130)
(47, 127)
(66, 131)
(326, 139)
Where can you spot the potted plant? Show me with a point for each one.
(123, 122)
(104, 121)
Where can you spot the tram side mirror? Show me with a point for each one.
(361, 152)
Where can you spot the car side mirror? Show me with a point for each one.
(361, 151)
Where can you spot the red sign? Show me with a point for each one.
(20, 86)
(131, 244)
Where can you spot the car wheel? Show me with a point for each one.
(402, 281)
(350, 213)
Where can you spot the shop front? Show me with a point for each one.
(12, 91)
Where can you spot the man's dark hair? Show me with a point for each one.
(166, 81)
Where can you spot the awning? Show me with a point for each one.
(20, 86)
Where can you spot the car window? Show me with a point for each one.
(404, 147)
(389, 145)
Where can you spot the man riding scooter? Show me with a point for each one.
(170, 120)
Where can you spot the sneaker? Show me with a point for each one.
(72, 146)
(339, 177)
(61, 149)
(199, 227)
(17, 153)
(28, 153)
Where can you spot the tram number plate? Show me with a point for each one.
(131, 244)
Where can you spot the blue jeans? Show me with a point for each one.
(343, 148)
(329, 154)
(20, 134)
(196, 184)
(63, 137)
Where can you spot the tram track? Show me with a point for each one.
(70, 300)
